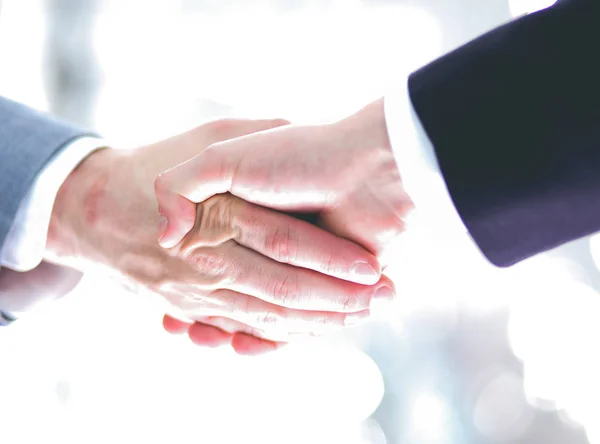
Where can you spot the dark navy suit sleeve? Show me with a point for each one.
(514, 117)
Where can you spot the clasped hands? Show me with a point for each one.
(343, 174)
(233, 260)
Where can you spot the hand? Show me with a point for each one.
(345, 172)
(240, 261)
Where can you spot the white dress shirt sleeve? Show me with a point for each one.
(24, 247)
(418, 165)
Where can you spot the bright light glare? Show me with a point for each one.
(21, 48)
(501, 411)
(254, 63)
(430, 419)
(554, 328)
(147, 384)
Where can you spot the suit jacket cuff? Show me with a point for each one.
(25, 243)
(418, 165)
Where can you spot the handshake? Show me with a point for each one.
(265, 231)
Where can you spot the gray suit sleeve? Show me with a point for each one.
(28, 139)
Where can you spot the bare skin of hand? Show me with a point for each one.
(344, 172)
(240, 262)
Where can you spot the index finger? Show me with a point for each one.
(299, 288)
(299, 243)
(282, 238)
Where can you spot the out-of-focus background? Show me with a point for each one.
(469, 354)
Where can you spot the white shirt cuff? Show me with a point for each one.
(24, 247)
(418, 165)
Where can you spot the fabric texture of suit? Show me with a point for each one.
(514, 117)
(28, 139)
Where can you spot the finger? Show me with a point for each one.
(196, 180)
(208, 336)
(295, 242)
(248, 345)
(235, 327)
(299, 288)
(242, 339)
(230, 325)
(175, 326)
(275, 321)
(282, 238)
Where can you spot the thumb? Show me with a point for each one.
(208, 173)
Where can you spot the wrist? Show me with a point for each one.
(368, 127)
(85, 209)
(105, 216)
(73, 206)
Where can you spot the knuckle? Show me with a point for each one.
(328, 264)
(287, 292)
(348, 302)
(211, 162)
(282, 244)
(326, 319)
(269, 318)
(352, 301)
(206, 259)
(217, 214)
(213, 266)
(221, 127)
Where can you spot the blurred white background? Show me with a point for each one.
(469, 354)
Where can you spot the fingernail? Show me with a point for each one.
(382, 300)
(385, 293)
(363, 273)
(357, 318)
